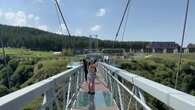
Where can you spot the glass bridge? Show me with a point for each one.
(116, 89)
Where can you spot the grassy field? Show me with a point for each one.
(26, 53)
(190, 56)
(167, 56)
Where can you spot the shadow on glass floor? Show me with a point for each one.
(100, 99)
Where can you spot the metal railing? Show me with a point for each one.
(57, 92)
(124, 98)
(128, 89)
(60, 91)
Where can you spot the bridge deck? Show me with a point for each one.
(101, 100)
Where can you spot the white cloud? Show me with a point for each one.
(39, 1)
(9, 15)
(31, 16)
(58, 32)
(1, 13)
(37, 18)
(43, 27)
(78, 32)
(20, 18)
(61, 29)
(96, 28)
(15, 18)
(101, 12)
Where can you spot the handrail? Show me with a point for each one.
(171, 97)
(132, 94)
(17, 99)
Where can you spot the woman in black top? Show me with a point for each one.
(85, 65)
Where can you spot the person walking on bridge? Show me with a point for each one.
(85, 66)
(91, 76)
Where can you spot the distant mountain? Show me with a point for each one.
(41, 40)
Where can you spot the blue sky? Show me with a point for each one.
(149, 20)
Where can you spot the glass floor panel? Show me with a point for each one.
(100, 99)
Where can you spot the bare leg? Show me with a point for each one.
(89, 88)
(93, 85)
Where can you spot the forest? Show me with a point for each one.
(30, 38)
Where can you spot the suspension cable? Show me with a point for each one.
(60, 23)
(64, 22)
(182, 42)
(121, 22)
(63, 19)
(59, 20)
(125, 24)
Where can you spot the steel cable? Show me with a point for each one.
(121, 22)
(182, 42)
(64, 21)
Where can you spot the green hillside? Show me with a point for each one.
(162, 68)
(34, 39)
(26, 67)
